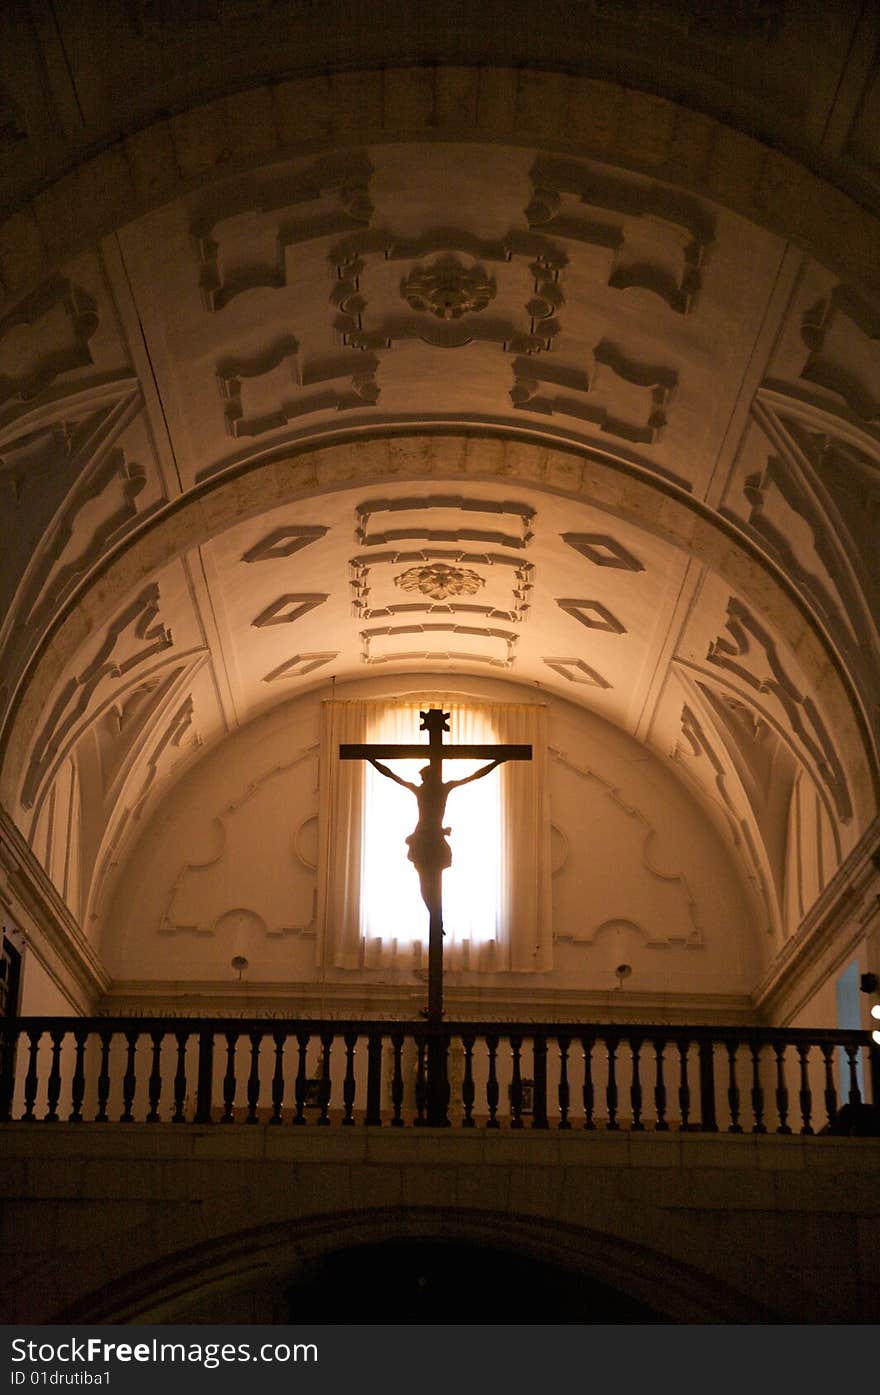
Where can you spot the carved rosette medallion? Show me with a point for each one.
(438, 580)
(447, 289)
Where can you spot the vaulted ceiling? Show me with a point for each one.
(468, 406)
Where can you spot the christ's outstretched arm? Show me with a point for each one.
(383, 770)
(477, 775)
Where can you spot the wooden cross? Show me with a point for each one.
(428, 849)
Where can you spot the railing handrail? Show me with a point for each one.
(624, 1031)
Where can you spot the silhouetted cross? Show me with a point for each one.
(429, 851)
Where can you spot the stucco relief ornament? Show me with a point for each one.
(447, 289)
(438, 580)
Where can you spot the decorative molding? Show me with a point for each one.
(299, 666)
(68, 472)
(800, 710)
(297, 844)
(713, 757)
(121, 727)
(828, 372)
(447, 289)
(522, 582)
(134, 762)
(593, 614)
(384, 1002)
(603, 551)
(562, 937)
(171, 740)
(137, 629)
(547, 298)
(508, 638)
(127, 478)
(758, 488)
(363, 391)
(766, 771)
(64, 435)
(697, 745)
(280, 612)
(385, 612)
(220, 823)
(789, 485)
(347, 177)
(828, 936)
(430, 656)
(509, 105)
(50, 928)
(553, 178)
(656, 380)
(695, 936)
(283, 542)
(561, 862)
(59, 356)
(576, 671)
(828, 471)
(445, 334)
(447, 241)
(367, 510)
(440, 580)
(527, 380)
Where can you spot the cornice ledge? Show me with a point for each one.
(51, 929)
(850, 900)
(389, 1003)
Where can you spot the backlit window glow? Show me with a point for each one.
(391, 903)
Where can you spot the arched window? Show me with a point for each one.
(496, 895)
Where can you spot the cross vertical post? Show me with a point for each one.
(430, 854)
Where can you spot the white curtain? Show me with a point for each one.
(354, 936)
(340, 835)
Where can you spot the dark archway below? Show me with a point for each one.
(435, 1281)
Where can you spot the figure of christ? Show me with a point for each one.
(429, 851)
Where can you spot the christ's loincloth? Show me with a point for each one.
(427, 852)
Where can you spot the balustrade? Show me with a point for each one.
(492, 1075)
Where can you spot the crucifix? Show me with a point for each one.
(429, 851)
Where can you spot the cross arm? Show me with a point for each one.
(348, 751)
(487, 752)
(379, 752)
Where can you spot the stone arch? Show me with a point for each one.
(169, 1287)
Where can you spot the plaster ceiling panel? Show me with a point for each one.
(239, 292)
(829, 350)
(664, 297)
(542, 589)
(735, 651)
(775, 494)
(419, 283)
(225, 371)
(62, 336)
(170, 742)
(153, 629)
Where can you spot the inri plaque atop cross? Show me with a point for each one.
(429, 851)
